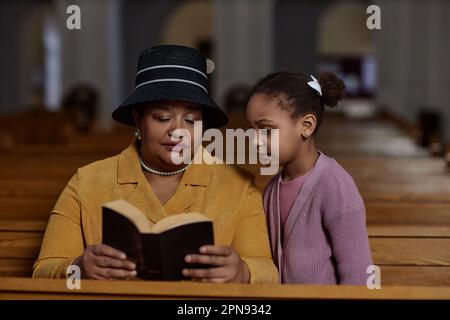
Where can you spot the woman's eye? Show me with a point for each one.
(163, 119)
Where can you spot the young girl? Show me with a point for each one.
(316, 215)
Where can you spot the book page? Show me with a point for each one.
(178, 220)
(136, 216)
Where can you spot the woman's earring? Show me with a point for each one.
(137, 134)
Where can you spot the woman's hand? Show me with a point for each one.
(103, 262)
(228, 265)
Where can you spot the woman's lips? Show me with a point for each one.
(174, 146)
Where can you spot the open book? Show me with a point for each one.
(157, 249)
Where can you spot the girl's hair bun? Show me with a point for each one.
(333, 88)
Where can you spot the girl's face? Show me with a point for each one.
(157, 126)
(267, 112)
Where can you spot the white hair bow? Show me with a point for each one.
(315, 85)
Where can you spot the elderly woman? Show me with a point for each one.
(170, 94)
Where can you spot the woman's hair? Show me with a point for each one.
(295, 94)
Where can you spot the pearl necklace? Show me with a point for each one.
(162, 173)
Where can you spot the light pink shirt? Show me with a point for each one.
(288, 193)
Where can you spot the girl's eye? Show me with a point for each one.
(268, 131)
(189, 121)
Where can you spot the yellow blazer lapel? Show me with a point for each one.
(129, 171)
(180, 201)
(145, 200)
(143, 197)
(197, 175)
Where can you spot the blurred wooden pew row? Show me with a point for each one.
(37, 125)
(79, 149)
(56, 167)
(22, 288)
(428, 172)
(339, 135)
(404, 261)
(404, 226)
(408, 236)
(430, 190)
(366, 165)
(409, 253)
(428, 214)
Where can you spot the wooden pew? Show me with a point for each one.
(408, 255)
(407, 202)
(61, 168)
(20, 243)
(38, 209)
(428, 189)
(390, 225)
(26, 207)
(419, 181)
(22, 288)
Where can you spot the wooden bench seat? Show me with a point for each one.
(38, 208)
(374, 192)
(21, 288)
(26, 208)
(395, 248)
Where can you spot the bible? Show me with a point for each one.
(157, 249)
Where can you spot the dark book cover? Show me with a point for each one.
(158, 256)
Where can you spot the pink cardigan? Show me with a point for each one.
(325, 236)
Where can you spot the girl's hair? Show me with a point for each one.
(294, 92)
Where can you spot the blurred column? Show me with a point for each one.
(392, 51)
(439, 62)
(93, 54)
(52, 63)
(8, 58)
(243, 42)
(412, 52)
(20, 59)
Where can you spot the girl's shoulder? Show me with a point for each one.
(335, 181)
(334, 172)
(337, 192)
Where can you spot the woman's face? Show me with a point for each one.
(266, 112)
(167, 127)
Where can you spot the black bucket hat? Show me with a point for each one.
(170, 72)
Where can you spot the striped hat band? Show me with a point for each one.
(171, 73)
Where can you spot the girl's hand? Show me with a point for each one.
(229, 267)
(103, 262)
